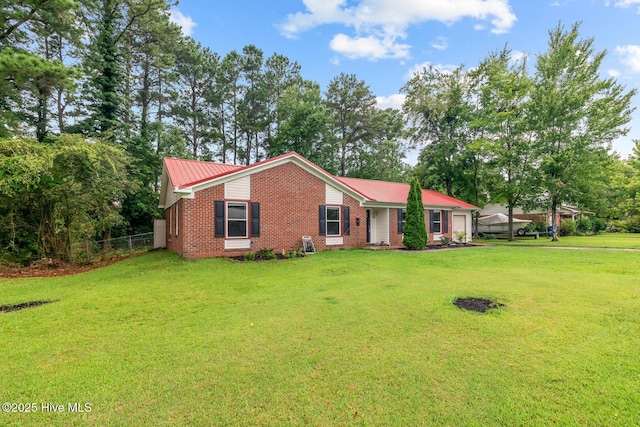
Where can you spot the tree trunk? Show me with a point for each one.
(60, 104)
(511, 238)
(41, 125)
(476, 217)
(554, 225)
(145, 101)
(194, 122)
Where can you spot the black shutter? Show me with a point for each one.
(431, 224)
(346, 221)
(445, 222)
(255, 219)
(219, 217)
(322, 220)
(400, 231)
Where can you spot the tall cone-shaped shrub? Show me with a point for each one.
(415, 231)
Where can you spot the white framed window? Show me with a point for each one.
(333, 220)
(437, 221)
(236, 219)
(170, 220)
(176, 219)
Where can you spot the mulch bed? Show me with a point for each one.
(54, 268)
(242, 258)
(476, 304)
(22, 305)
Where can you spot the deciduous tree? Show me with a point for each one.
(504, 134)
(439, 115)
(576, 114)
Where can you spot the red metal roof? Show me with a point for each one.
(186, 173)
(397, 192)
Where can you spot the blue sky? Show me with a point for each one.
(383, 41)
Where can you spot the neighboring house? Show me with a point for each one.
(214, 209)
(535, 215)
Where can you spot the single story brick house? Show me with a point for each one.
(214, 209)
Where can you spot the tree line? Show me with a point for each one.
(119, 72)
(501, 133)
(93, 93)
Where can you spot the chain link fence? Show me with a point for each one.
(136, 242)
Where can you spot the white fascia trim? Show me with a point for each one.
(383, 205)
(404, 205)
(185, 194)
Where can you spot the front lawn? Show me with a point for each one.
(603, 240)
(337, 338)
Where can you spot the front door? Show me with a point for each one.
(368, 226)
(460, 225)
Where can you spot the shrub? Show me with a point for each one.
(633, 224)
(265, 254)
(540, 227)
(584, 225)
(445, 241)
(617, 227)
(567, 227)
(599, 225)
(536, 227)
(415, 230)
(250, 256)
(460, 236)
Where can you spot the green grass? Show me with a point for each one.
(603, 240)
(337, 338)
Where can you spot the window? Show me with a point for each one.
(236, 219)
(437, 221)
(402, 220)
(333, 220)
(176, 219)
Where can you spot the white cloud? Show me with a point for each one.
(417, 68)
(440, 43)
(613, 72)
(369, 47)
(386, 21)
(517, 56)
(392, 101)
(185, 22)
(630, 56)
(626, 3)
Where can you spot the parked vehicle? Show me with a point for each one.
(499, 224)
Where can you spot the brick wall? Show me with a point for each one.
(175, 242)
(289, 198)
(446, 233)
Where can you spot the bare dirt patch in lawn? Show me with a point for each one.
(14, 307)
(480, 305)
